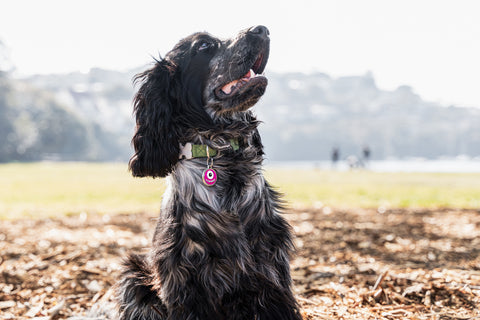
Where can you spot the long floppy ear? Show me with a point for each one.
(155, 141)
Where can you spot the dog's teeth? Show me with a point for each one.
(250, 74)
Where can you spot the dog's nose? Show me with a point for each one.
(261, 31)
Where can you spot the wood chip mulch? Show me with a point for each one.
(350, 264)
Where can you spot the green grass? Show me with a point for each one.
(353, 189)
(47, 189)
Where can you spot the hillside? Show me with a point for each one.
(314, 111)
(34, 126)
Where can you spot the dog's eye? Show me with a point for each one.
(204, 45)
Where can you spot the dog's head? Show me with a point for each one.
(200, 80)
(236, 81)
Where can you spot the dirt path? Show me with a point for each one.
(358, 264)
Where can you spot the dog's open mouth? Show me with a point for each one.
(251, 78)
(237, 84)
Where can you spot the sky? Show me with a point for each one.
(431, 45)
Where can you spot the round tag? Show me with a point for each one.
(209, 177)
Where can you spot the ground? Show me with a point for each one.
(350, 264)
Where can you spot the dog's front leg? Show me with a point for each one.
(200, 265)
(275, 299)
(270, 238)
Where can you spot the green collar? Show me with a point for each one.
(190, 151)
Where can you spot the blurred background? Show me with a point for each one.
(371, 123)
(352, 81)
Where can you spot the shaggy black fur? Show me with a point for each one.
(219, 252)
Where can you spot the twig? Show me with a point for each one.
(380, 280)
(299, 298)
(56, 309)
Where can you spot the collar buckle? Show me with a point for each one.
(190, 150)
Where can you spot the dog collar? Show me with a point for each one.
(190, 150)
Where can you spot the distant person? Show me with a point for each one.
(366, 153)
(335, 156)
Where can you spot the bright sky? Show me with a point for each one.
(431, 45)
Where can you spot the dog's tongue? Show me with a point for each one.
(227, 89)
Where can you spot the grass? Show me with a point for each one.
(365, 189)
(46, 189)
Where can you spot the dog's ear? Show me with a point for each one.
(155, 141)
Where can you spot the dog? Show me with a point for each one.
(221, 248)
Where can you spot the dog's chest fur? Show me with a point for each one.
(234, 190)
(217, 223)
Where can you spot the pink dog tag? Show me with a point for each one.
(209, 177)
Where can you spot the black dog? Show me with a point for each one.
(221, 248)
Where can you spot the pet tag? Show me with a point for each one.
(209, 177)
